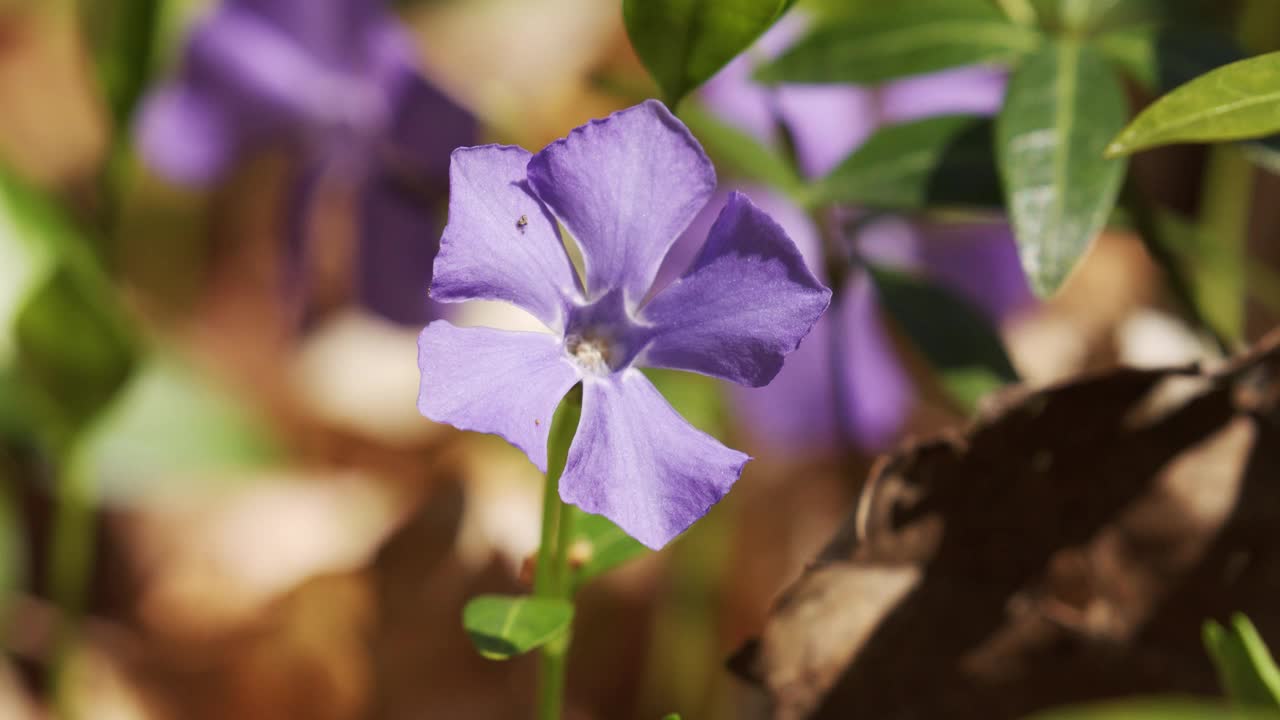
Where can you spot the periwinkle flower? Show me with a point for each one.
(847, 383)
(625, 187)
(336, 82)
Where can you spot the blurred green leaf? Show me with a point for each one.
(1154, 709)
(947, 160)
(952, 335)
(122, 38)
(60, 324)
(1062, 106)
(684, 42)
(13, 570)
(605, 546)
(1234, 102)
(172, 423)
(671, 716)
(696, 397)
(897, 39)
(502, 626)
(1074, 17)
(737, 153)
(1162, 58)
(1245, 668)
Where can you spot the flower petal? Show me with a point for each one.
(331, 30)
(746, 302)
(493, 381)
(626, 187)
(876, 396)
(427, 126)
(501, 243)
(185, 137)
(976, 90)
(399, 231)
(638, 463)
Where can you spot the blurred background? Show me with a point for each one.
(252, 519)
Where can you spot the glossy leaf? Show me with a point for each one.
(1245, 668)
(684, 42)
(738, 154)
(1062, 106)
(502, 626)
(952, 335)
(947, 160)
(135, 445)
(1234, 102)
(897, 39)
(1154, 709)
(599, 546)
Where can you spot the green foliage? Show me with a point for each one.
(684, 42)
(737, 153)
(121, 36)
(68, 340)
(1235, 102)
(502, 626)
(958, 342)
(1062, 106)
(937, 161)
(136, 441)
(1154, 709)
(604, 546)
(893, 40)
(1245, 668)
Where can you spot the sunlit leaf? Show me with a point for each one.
(171, 424)
(599, 546)
(1063, 105)
(947, 160)
(684, 42)
(1154, 709)
(1234, 102)
(502, 626)
(738, 154)
(897, 39)
(1245, 668)
(959, 344)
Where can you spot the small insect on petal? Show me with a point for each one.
(523, 222)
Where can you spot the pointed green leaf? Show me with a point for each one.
(1245, 668)
(684, 42)
(599, 546)
(122, 38)
(1062, 106)
(897, 39)
(1154, 709)
(737, 153)
(947, 160)
(502, 626)
(952, 335)
(1234, 102)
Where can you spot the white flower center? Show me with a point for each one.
(591, 353)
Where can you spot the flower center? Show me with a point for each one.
(591, 352)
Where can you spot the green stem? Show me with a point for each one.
(551, 574)
(1223, 233)
(1019, 11)
(71, 564)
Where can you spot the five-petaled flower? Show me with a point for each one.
(336, 82)
(625, 187)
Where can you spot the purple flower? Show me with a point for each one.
(625, 187)
(334, 81)
(847, 383)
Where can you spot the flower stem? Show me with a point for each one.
(71, 565)
(551, 577)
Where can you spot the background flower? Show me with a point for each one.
(335, 82)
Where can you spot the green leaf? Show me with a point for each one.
(696, 397)
(136, 449)
(600, 546)
(1061, 107)
(684, 42)
(502, 626)
(122, 37)
(947, 160)
(1154, 709)
(1245, 668)
(951, 334)
(1234, 102)
(1162, 58)
(671, 716)
(739, 154)
(897, 39)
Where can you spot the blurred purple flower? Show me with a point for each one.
(847, 383)
(625, 187)
(335, 81)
